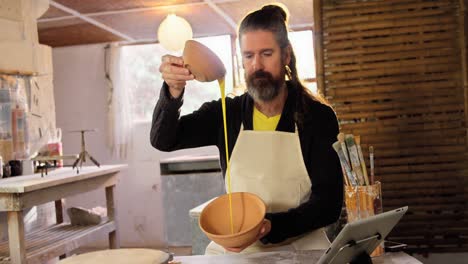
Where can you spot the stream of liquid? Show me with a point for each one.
(228, 169)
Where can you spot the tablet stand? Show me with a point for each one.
(364, 257)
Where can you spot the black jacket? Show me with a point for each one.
(318, 132)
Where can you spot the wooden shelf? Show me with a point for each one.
(56, 240)
(16, 72)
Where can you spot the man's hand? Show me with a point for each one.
(264, 230)
(174, 74)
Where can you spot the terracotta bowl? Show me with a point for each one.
(202, 62)
(248, 212)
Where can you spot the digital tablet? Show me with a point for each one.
(361, 236)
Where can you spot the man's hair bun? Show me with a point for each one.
(276, 10)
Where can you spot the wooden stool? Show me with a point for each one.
(120, 256)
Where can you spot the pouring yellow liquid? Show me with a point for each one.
(222, 89)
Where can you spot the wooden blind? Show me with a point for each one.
(393, 70)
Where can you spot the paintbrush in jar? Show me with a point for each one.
(348, 172)
(361, 159)
(341, 139)
(354, 158)
(368, 197)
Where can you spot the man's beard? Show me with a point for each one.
(262, 86)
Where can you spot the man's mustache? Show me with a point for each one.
(261, 74)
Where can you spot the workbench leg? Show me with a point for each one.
(59, 218)
(59, 211)
(16, 237)
(112, 215)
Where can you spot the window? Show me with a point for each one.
(303, 45)
(140, 67)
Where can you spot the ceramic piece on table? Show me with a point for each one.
(82, 217)
(202, 62)
(120, 256)
(248, 212)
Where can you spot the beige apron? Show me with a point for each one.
(270, 164)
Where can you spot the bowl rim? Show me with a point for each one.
(236, 234)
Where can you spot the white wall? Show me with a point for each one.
(81, 95)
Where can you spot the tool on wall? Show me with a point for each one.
(84, 153)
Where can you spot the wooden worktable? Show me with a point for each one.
(287, 257)
(21, 192)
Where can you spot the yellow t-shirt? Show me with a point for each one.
(262, 122)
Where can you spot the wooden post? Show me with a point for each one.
(16, 237)
(59, 218)
(318, 47)
(111, 214)
(463, 16)
(59, 211)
